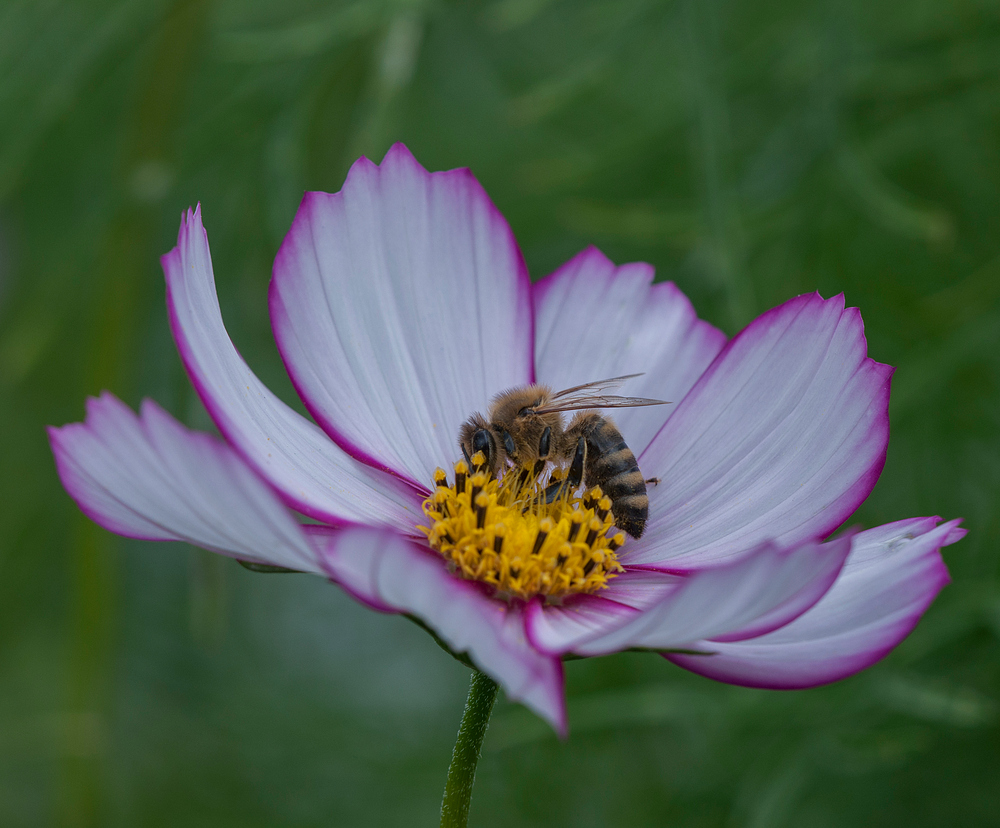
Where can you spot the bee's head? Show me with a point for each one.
(477, 435)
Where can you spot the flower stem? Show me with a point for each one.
(465, 757)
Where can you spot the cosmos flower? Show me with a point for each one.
(401, 305)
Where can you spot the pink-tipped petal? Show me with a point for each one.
(892, 575)
(310, 472)
(401, 305)
(594, 320)
(386, 570)
(558, 628)
(149, 477)
(763, 590)
(781, 439)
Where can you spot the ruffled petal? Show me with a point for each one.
(401, 305)
(892, 575)
(557, 629)
(763, 590)
(311, 473)
(781, 439)
(149, 477)
(386, 570)
(594, 320)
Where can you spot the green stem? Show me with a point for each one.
(465, 757)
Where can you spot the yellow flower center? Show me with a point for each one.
(502, 532)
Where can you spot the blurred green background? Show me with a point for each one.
(751, 151)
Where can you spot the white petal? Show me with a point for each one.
(892, 575)
(401, 305)
(781, 439)
(594, 320)
(558, 629)
(152, 478)
(388, 571)
(309, 470)
(761, 591)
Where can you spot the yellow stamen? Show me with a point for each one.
(501, 531)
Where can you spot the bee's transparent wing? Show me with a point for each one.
(597, 388)
(598, 401)
(590, 395)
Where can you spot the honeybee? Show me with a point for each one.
(525, 429)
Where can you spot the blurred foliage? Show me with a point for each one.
(750, 151)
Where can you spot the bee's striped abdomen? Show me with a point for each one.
(612, 466)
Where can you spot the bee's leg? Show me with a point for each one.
(538, 469)
(545, 443)
(527, 475)
(543, 452)
(524, 477)
(653, 480)
(553, 490)
(574, 477)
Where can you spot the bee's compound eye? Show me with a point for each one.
(481, 442)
